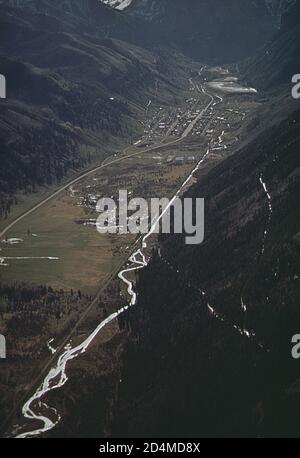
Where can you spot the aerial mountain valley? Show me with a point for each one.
(122, 334)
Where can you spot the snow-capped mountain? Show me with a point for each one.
(152, 8)
(118, 4)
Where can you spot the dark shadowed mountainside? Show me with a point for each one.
(210, 347)
(277, 61)
(211, 30)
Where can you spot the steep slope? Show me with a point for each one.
(209, 353)
(279, 7)
(212, 30)
(92, 16)
(70, 88)
(210, 347)
(277, 61)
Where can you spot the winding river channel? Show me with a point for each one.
(34, 408)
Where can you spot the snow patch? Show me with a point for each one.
(118, 4)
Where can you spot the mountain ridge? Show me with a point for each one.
(216, 31)
(67, 90)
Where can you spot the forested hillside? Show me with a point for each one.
(73, 93)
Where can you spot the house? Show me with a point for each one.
(179, 160)
(190, 159)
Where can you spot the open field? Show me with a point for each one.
(82, 258)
